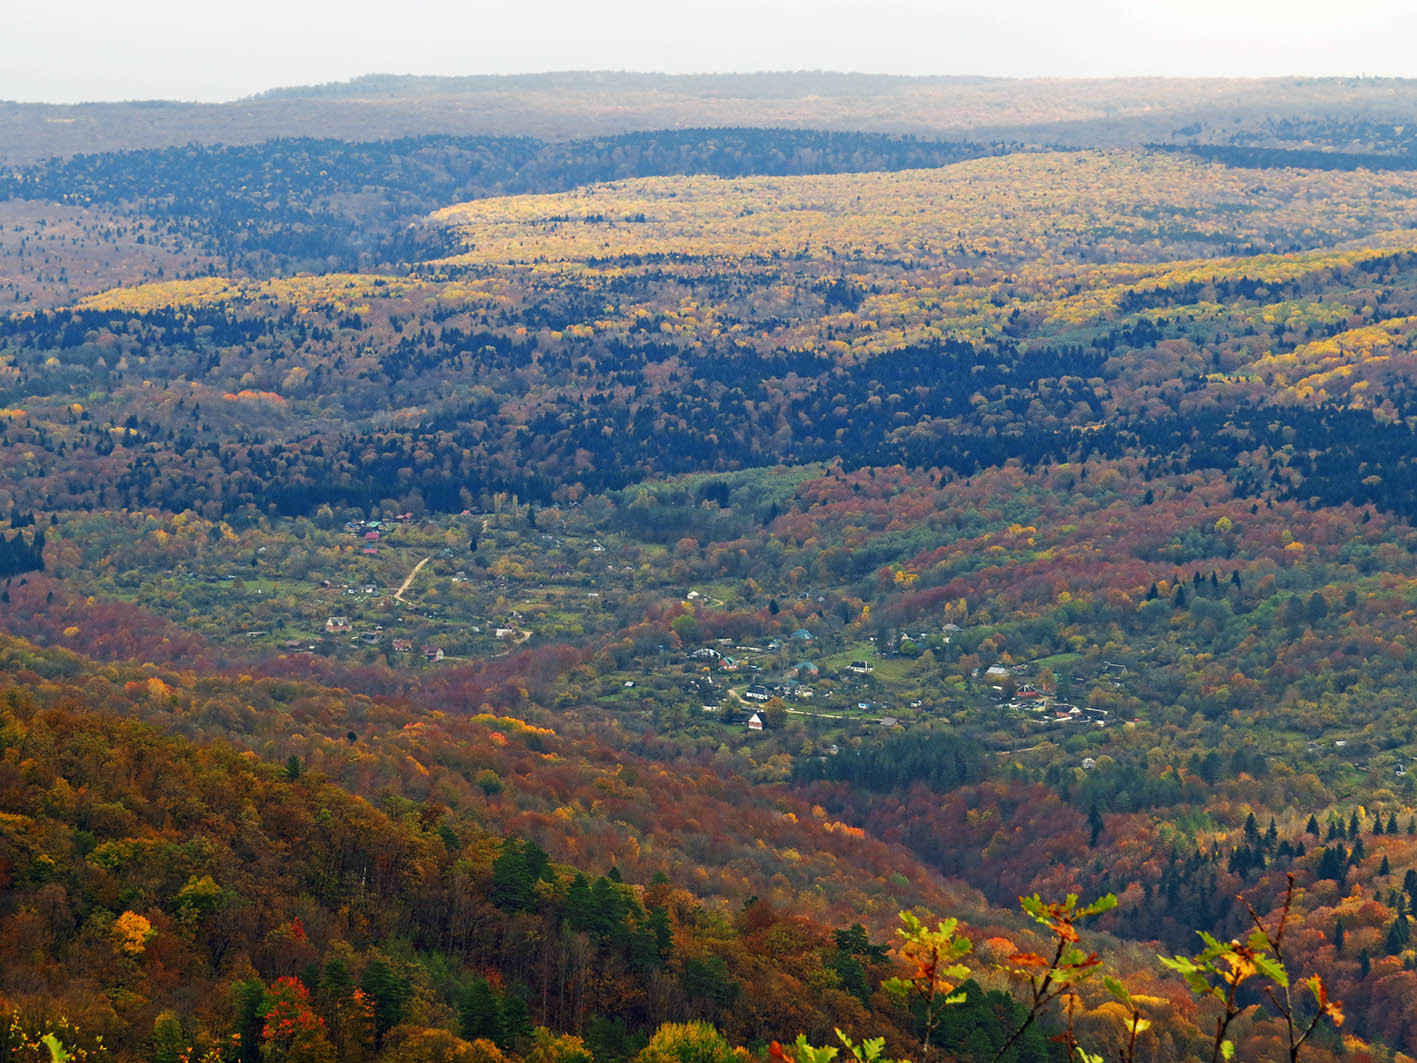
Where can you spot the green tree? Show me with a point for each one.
(479, 1013)
(686, 1042)
(517, 1028)
(389, 993)
(168, 1039)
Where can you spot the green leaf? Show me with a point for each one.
(808, 1053)
(1105, 903)
(57, 1052)
(1180, 964)
(1117, 989)
(898, 989)
(1272, 969)
(1227, 1049)
(912, 925)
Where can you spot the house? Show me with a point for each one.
(706, 653)
(802, 635)
(337, 624)
(757, 693)
(371, 537)
(755, 722)
(433, 653)
(862, 667)
(728, 664)
(1028, 690)
(807, 670)
(503, 632)
(403, 646)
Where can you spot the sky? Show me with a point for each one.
(68, 51)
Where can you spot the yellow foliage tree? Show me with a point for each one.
(131, 933)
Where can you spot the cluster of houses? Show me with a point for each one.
(793, 686)
(341, 625)
(1048, 709)
(788, 689)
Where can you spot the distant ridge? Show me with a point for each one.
(761, 83)
(567, 105)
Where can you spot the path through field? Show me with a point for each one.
(398, 594)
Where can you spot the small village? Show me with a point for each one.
(417, 593)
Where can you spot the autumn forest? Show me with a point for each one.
(709, 570)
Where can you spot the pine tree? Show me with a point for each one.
(1312, 827)
(579, 909)
(390, 992)
(1397, 936)
(517, 1028)
(1094, 823)
(479, 1014)
(1252, 830)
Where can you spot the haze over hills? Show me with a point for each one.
(502, 568)
(1078, 112)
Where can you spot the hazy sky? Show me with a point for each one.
(73, 50)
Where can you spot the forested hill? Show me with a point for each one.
(162, 892)
(333, 204)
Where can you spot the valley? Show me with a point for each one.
(495, 598)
